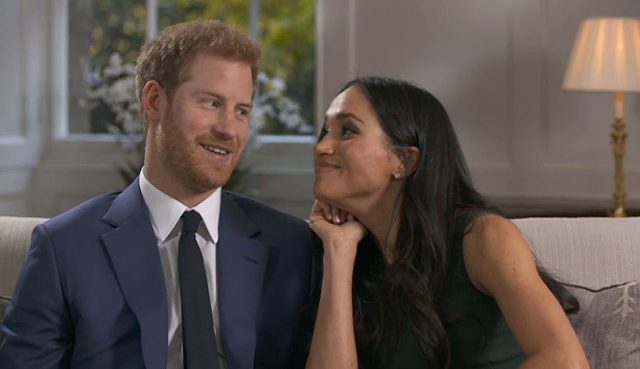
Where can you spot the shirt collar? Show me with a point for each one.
(166, 211)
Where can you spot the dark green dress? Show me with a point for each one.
(478, 334)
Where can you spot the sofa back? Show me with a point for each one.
(590, 252)
(15, 238)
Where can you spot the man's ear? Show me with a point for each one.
(153, 96)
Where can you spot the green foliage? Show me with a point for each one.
(288, 43)
(231, 11)
(287, 38)
(119, 27)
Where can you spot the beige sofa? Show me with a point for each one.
(599, 257)
(15, 238)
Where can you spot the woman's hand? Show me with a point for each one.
(334, 344)
(339, 231)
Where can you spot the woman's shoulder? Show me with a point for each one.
(488, 231)
(491, 245)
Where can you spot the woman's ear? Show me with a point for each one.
(152, 99)
(411, 159)
(408, 162)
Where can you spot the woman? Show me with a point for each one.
(418, 271)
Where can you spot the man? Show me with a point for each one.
(173, 272)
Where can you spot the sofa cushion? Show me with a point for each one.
(608, 325)
(4, 302)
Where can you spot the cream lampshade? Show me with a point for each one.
(606, 57)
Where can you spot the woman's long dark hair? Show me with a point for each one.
(389, 299)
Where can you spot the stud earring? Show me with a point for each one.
(396, 175)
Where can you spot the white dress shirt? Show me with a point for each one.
(165, 214)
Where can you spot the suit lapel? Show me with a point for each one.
(133, 251)
(241, 263)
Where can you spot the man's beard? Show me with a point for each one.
(182, 159)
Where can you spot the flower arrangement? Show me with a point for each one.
(271, 105)
(113, 93)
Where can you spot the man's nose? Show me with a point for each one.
(226, 124)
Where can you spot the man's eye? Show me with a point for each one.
(212, 103)
(242, 112)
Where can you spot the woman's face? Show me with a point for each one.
(354, 162)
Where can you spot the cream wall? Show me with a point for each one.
(22, 114)
(496, 65)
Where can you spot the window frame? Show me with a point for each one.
(60, 79)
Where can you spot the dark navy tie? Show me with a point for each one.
(198, 337)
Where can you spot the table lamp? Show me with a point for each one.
(606, 58)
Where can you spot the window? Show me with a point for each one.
(105, 37)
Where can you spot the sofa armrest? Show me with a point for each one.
(15, 239)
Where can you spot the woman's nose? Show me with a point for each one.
(324, 146)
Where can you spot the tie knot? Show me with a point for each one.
(190, 221)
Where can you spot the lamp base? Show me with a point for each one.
(619, 213)
(618, 137)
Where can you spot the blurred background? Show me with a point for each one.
(69, 128)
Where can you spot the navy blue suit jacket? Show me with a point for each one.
(91, 293)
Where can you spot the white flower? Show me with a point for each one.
(115, 67)
(114, 86)
(272, 104)
(278, 84)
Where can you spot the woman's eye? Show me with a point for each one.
(344, 131)
(323, 131)
(348, 131)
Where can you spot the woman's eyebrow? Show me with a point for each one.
(345, 115)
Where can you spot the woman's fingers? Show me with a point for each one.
(343, 216)
(335, 215)
(321, 209)
(331, 213)
(326, 211)
(338, 216)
